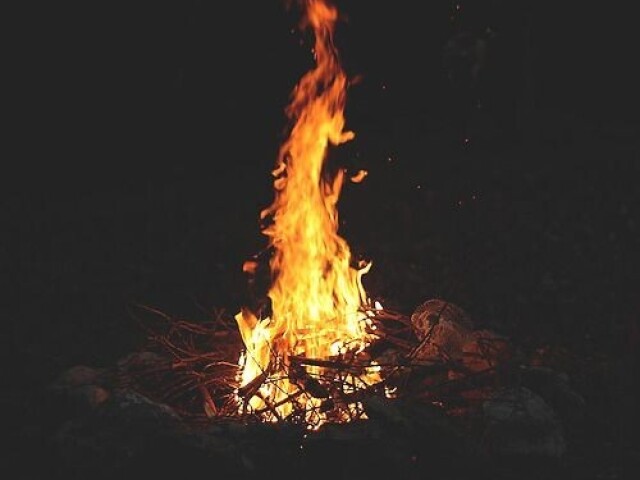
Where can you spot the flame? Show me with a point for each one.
(318, 303)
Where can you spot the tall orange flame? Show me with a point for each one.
(317, 298)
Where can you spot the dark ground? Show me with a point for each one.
(145, 161)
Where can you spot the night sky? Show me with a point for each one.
(147, 131)
(132, 84)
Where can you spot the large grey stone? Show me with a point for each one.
(519, 423)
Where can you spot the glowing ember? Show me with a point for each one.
(319, 310)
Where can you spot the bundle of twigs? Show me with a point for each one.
(196, 367)
(197, 371)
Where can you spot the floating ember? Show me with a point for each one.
(320, 314)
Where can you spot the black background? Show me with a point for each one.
(146, 131)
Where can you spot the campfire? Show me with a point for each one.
(316, 348)
(314, 373)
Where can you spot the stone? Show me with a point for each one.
(556, 389)
(79, 375)
(519, 423)
(124, 429)
(77, 391)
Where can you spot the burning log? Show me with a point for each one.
(250, 389)
(307, 383)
